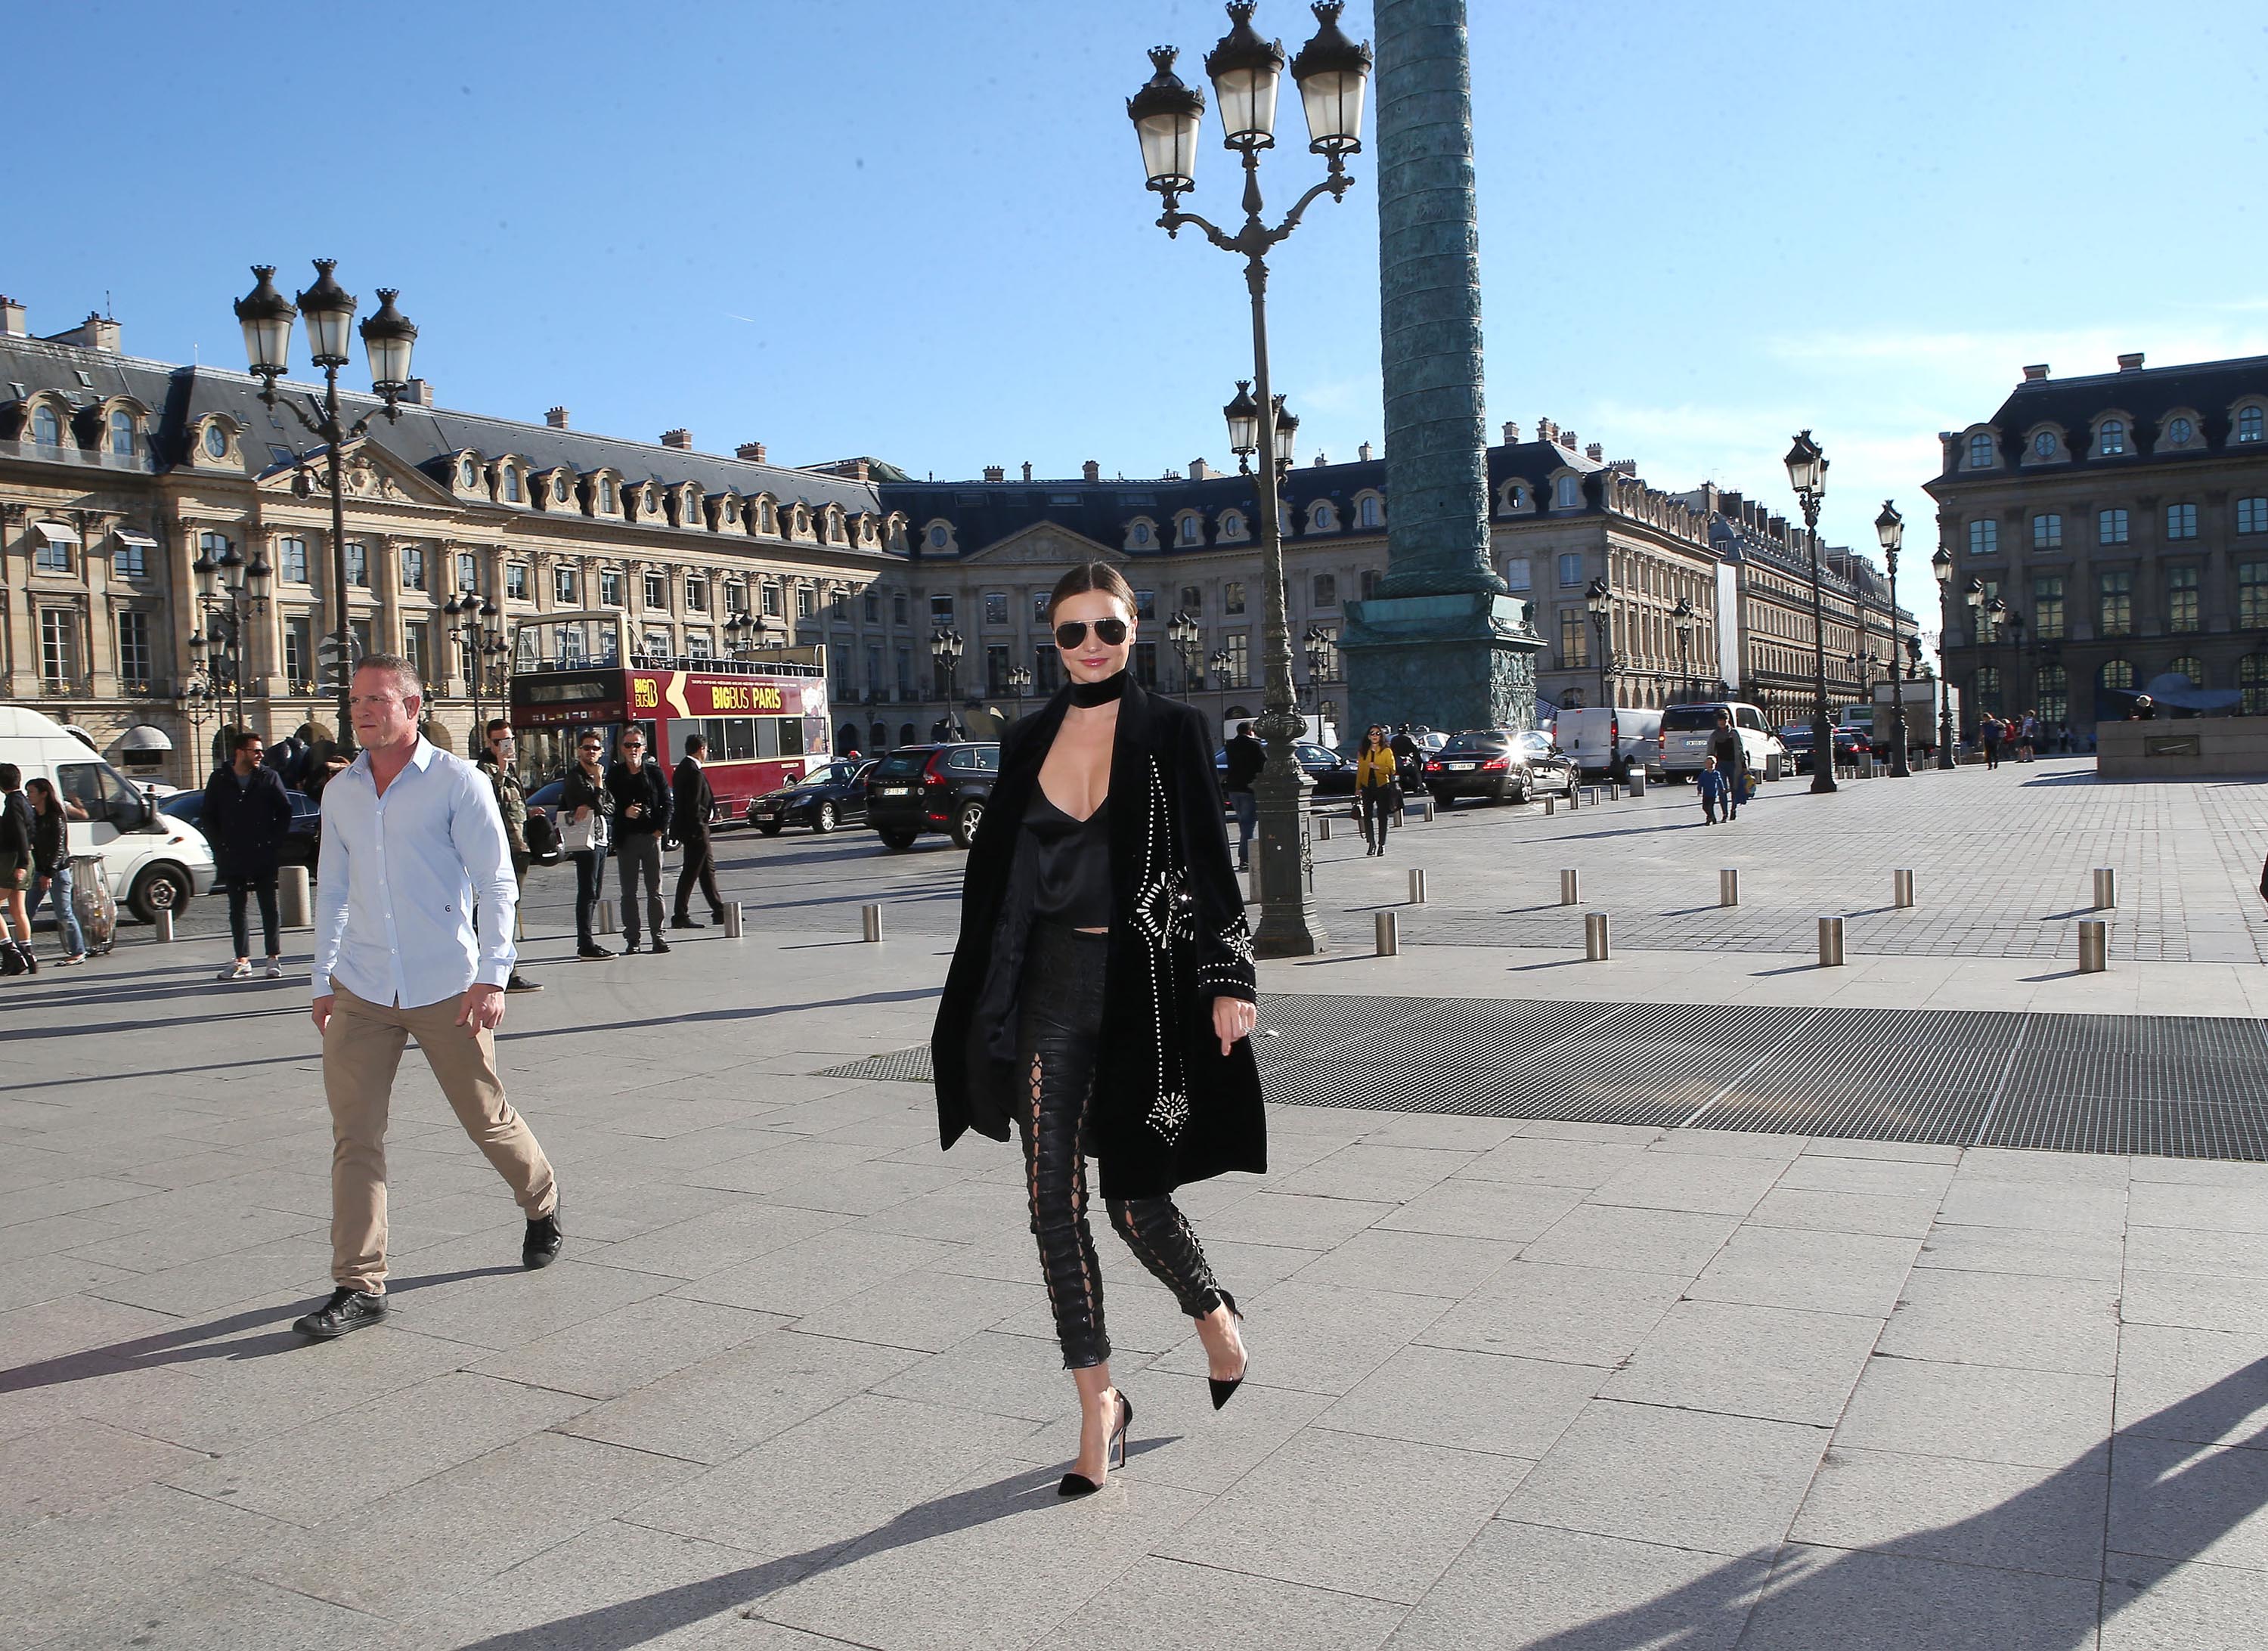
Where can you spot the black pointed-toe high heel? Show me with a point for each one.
(1078, 1484)
(1223, 1391)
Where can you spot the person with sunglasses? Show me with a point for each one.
(1100, 910)
(587, 807)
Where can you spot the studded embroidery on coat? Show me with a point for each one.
(1168, 1113)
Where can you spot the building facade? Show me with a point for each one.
(2120, 521)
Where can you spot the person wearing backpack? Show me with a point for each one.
(495, 763)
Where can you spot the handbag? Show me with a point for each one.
(579, 836)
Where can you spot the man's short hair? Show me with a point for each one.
(695, 745)
(404, 673)
(498, 724)
(11, 777)
(1244, 728)
(244, 737)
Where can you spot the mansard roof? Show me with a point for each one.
(2209, 388)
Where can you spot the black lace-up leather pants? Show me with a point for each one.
(1061, 1027)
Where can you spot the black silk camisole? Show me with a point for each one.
(1074, 863)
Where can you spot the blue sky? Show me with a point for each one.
(918, 231)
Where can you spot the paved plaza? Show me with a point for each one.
(1516, 1381)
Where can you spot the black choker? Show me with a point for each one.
(1089, 694)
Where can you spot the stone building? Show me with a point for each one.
(2121, 521)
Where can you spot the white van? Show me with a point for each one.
(1594, 735)
(151, 861)
(1687, 730)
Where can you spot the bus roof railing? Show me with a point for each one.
(778, 660)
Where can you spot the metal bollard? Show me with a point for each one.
(2094, 946)
(295, 897)
(1425, 809)
(1574, 796)
(1614, 791)
(1595, 937)
(606, 915)
(2106, 888)
(1830, 942)
(733, 920)
(1571, 889)
(1323, 827)
(1590, 796)
(1637, 782)
(1901, 889)
(1417, 886)
(164, 926)
(1387, 927)
(870, 921)
(1550, 805)
(1728, 888)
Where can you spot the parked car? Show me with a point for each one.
(1333, 774)
(920, 788)
(1795, 738)
(302, 845)
(1686, 730)
(823, 799)
(1595, 735)
(1500, 764)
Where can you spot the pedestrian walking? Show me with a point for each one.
(412, 846)
(1715, 788)
(1731, 753)
(51, 866)
(588, 808)
(1246, 757)
(498, 754)
(1990, 736)
(1097, 918)
(642, 809)
(247, 814)
(1375, 785)
(691, 803)
(16, 860)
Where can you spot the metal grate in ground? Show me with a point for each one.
(2180, 1086)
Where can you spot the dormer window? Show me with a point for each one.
(559, 489)
(122, 435)
(1569, 492)
(606, 495)
(2111, 438)
(215, 437)
(511, 485)
(1192, 530)
(1139, 537)
(471, 474)
(1980, 451)
(2252, 423)
(1231, 524)
(1322, 519)
(47, 431)
(936, 537)
(1368, 513)
(2043, 444)
(2178, 431)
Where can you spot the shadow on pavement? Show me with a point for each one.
(1838, 1597)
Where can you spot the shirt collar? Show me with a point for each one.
(421, 757)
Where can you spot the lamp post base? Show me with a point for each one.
(1289, 925)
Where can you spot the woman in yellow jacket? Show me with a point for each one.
(1374, 778)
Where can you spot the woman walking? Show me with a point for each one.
(51, 866)
(1374, 779)
(587, 805)
(1099, 911)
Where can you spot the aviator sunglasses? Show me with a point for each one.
(1072, 632)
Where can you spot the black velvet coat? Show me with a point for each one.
(1169, 1106)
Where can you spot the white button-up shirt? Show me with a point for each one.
(398, 879)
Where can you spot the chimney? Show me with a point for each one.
(680, 439)
(1511, 433)
(1028, 469)
(1171, 475)
(557, 418)
(2126, 364)
(1777, 527)
(752, 451)
(1364, 453)
(93, 332)
(1545, 430)
(1199, 470)
(1596, 453)
(1567, 439)
(1092, 470)
(11, 319)
(995, 472)
(418, 393)
(2033, 374)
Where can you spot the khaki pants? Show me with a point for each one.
(362, 1048)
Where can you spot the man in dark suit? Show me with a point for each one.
(692, 804)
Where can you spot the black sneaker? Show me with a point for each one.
(347, 1309)
(631, 950)
(593, 953)
(660, 944)
(520, 982)
(541, 1247)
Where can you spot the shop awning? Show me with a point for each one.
(141, 539)
(55, 533)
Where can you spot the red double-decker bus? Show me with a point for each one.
(765, 716)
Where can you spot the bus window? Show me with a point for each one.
(767, 733)
(790, 735)
(740, 738)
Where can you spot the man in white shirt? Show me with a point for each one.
(412, 845)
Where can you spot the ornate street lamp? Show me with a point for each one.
(1020, 683)
(946, 647)
(1221, 661)
(1941, 565)
(197, 704)
(229, 591)
(1317, 644)
(1183, 632)
(1807, 473)
(1243, 416)
(1601, 603)
(1891, 530)
(387, 336)
(1333, 74)
(1683, 616)
(1287, 435)
(466, 628)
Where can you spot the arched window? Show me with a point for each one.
(2051, 693)
(880, 734)
(2252, 684)
(1515, 497)
(2190, 667)
(559, 489)
(511, 485)
(48, 430)
(1980, 451)
(905, 733)
(1324, 519)
(1192, 530)
(2111, 438)
(1140, 535)
(1570, 492)
(122, 434)
(1232, 525)
(2117, 673)
(216, 440)
(472, 473)
(2252, 423)
(606, 494)
(1368, 511)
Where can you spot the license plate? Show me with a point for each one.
(1696, 742)
(897, 791)
(1458, 768)
(768, 815)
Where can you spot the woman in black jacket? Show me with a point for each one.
(584, 808)
(1099, 911)
(51, 866)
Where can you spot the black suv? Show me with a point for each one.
(919, 788)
